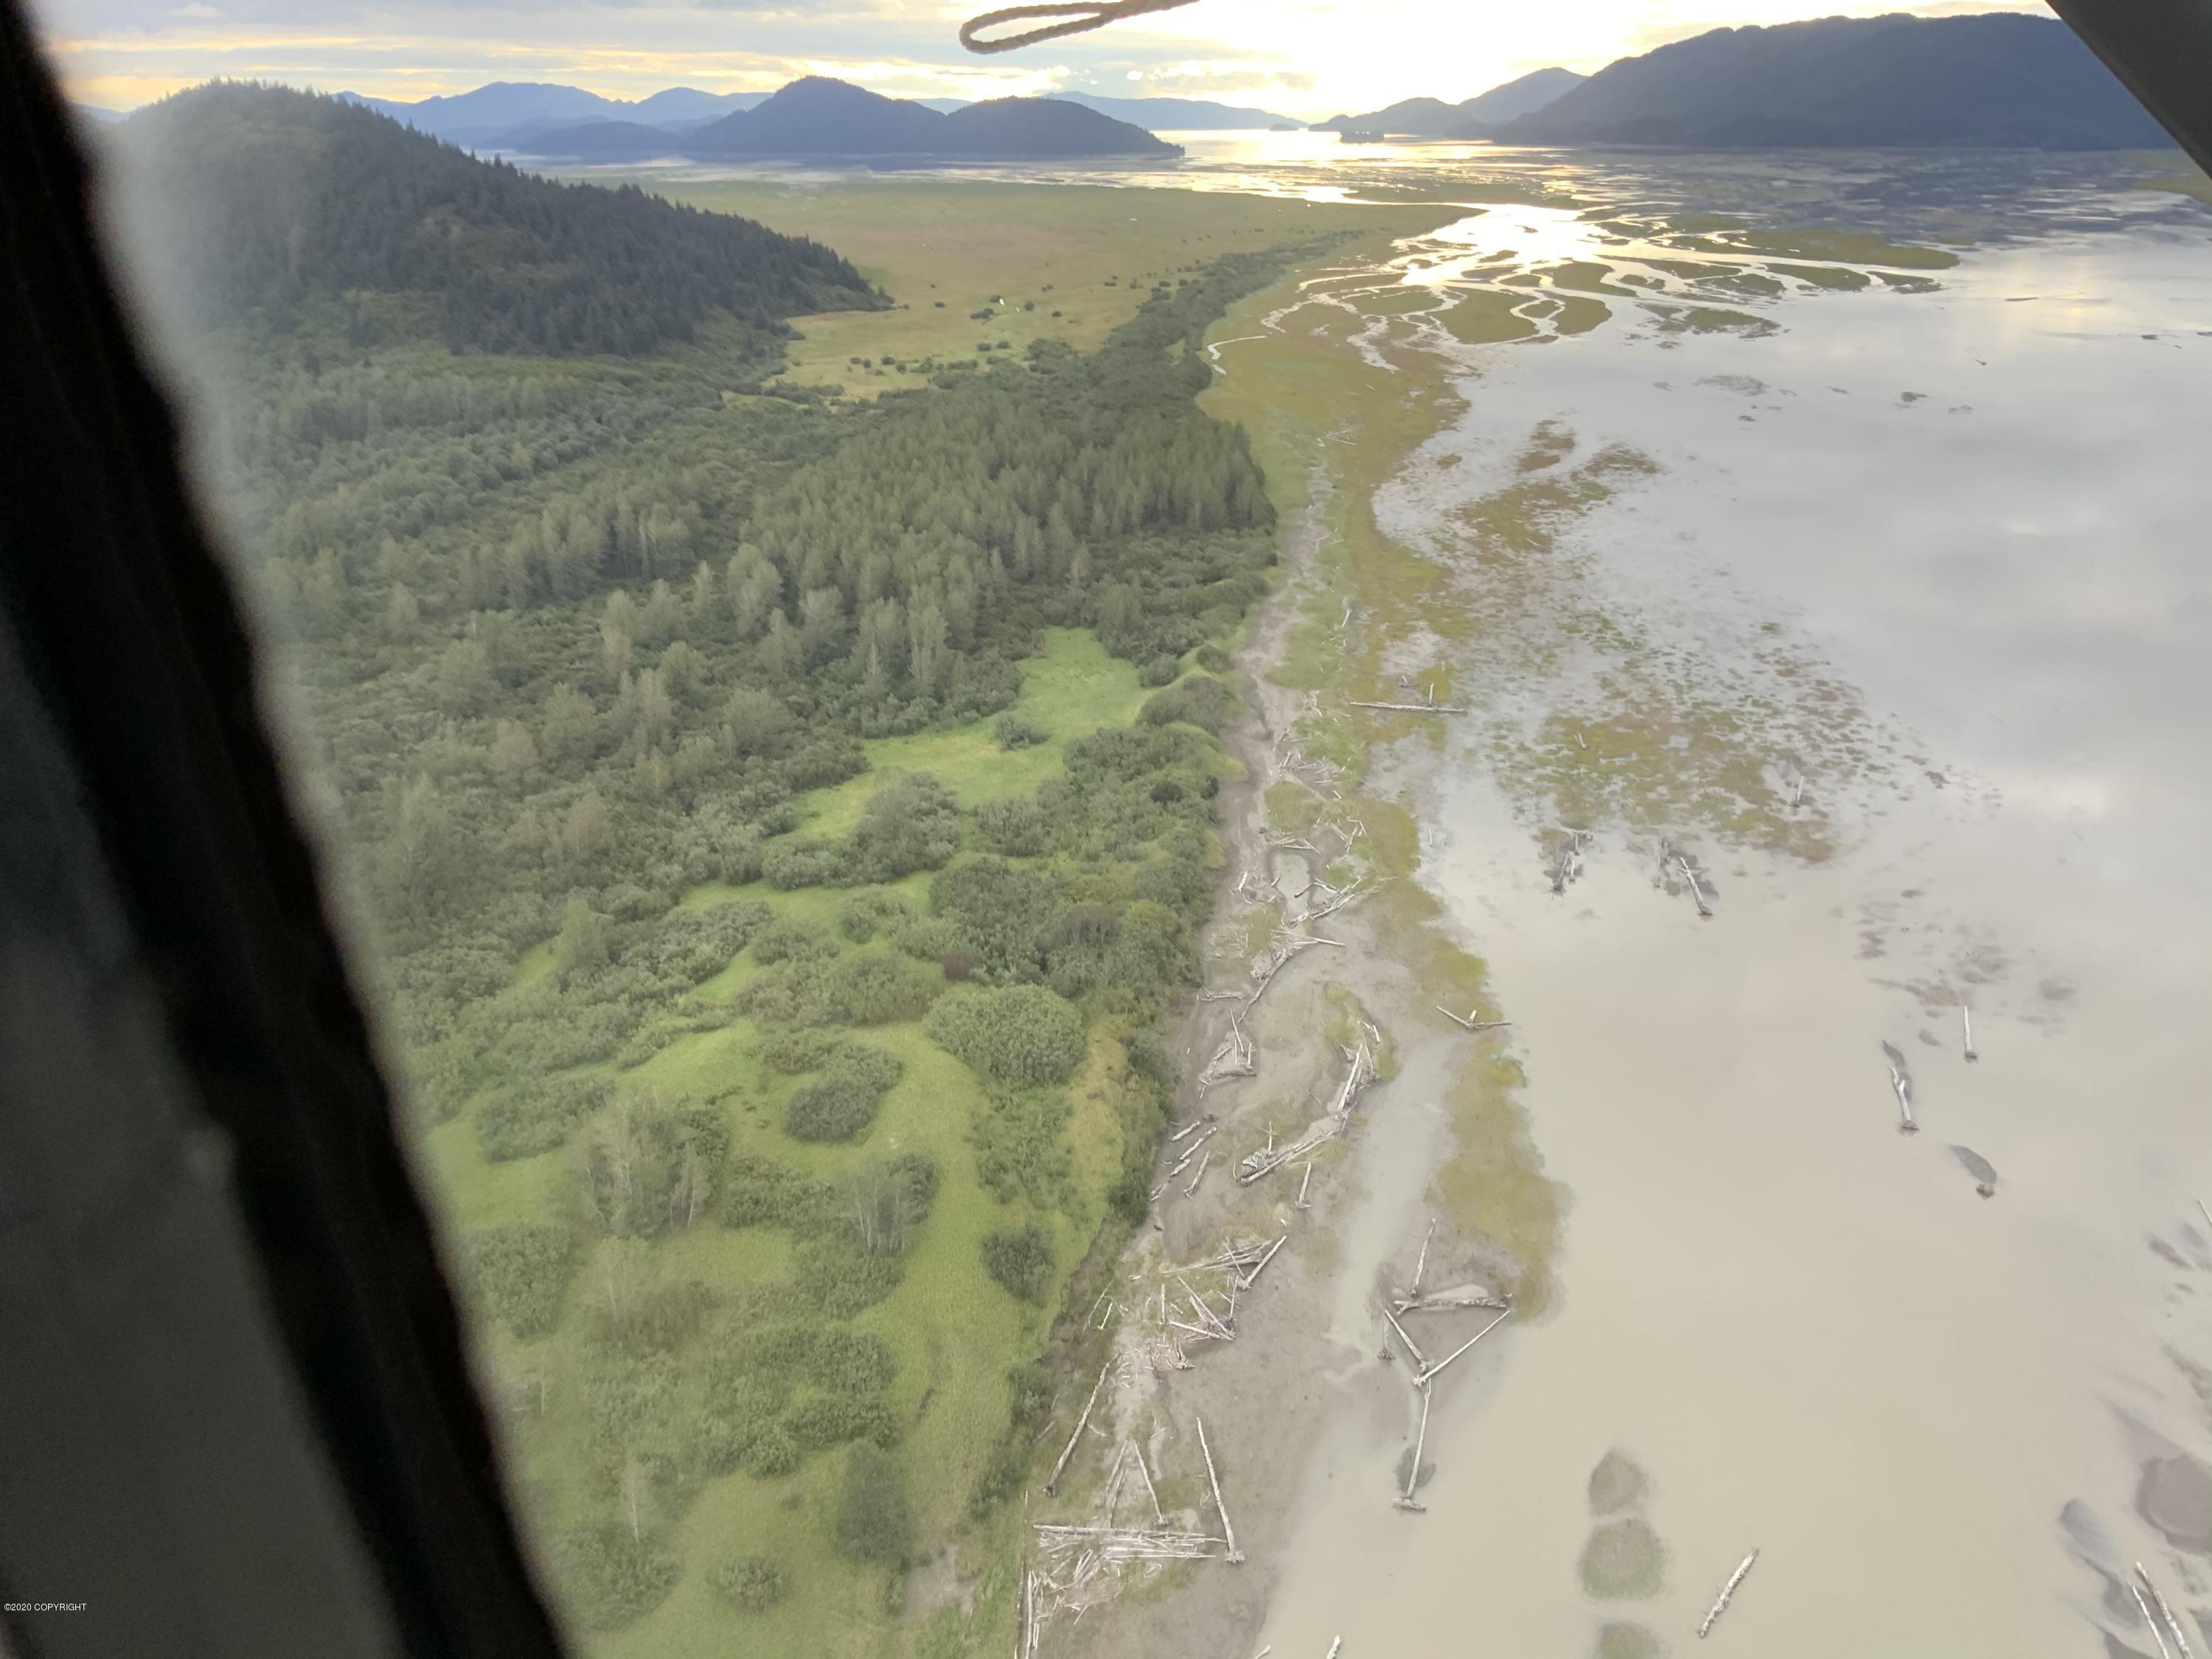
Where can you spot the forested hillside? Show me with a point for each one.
(781, 826)
(268, 205)
(1999, 80)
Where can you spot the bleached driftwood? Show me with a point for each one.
(1304, 1184)
(1236, 1058)
(1160, 1515)
(1966, 1028)
(1413, 1352)
(1468, 1018)
(1192, 1152)
(1696, 888)
(1411, 708)
(1082, 1423)
(1421, 1262)
(1249, 1280)
(1445, 1301)
(1405, 1500)
(1728, 1591)
(2157, 1635)
(2165, 1612)
(1334, 1647)
(1189, 1128)
(1229, 1531)
(1200, 1176)
(1429, 1372)
(1900, 1083)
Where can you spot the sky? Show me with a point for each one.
(1304, 58)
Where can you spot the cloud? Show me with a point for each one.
(197, 11)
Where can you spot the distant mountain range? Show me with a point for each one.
(511, 115)
(1996, 80)
(1432, 117)
(824, 120)
(1179, 114)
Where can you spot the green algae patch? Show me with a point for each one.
(1617, 1483)
(1626, 1641)
(1488, 317)
(1589, 277)
(1624, 1560)
(1709, 319)
(1841, 277)
(1579, 314)
(1847, 247)
(1292, 807)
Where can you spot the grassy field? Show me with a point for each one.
(1064, 262)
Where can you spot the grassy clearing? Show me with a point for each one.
(1070, 692)
(945, 249)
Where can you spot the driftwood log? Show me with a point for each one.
(1228, 1532)
(1081, 1423)
(1727, 1592)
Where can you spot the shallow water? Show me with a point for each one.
(1945, 542)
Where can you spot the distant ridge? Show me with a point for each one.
(1432, 117)
(1178, 114)
(1994, 79)
(821, 118)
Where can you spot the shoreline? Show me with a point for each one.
(1309, 1357)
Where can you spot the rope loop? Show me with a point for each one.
(1083, 15)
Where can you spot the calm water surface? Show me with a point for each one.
(1973, 508)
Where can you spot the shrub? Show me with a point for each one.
(877, 990)
(911, 822)
(523, 1270)
(610, 1578)
(1200, 701)
(929, 939)
(1020, 1259)
(874, 1520)
(806, 863)
(798, 1050)
(1012, 732)
(750, 1583)
(1019, 1034)
(1014, 828)
(536, 1115)
(1020, 1151)
(791, 940)
(842, 1102)
(860, 915)
(758, 1192)
(835, 1276)
(1160, 671)
(1003, 911)
(831, 1109)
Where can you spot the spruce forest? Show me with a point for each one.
(774, 1087)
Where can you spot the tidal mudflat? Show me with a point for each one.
(1810, 556)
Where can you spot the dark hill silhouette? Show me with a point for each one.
(1047, 126)
(820, 117)
(268, 205)
(1999, 80)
